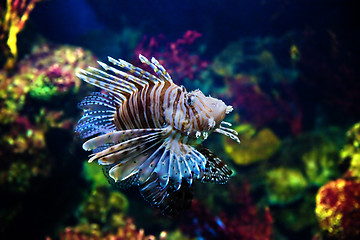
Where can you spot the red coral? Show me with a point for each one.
(174, 56)
(338, 208)
(243, 223)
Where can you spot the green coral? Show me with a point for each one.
(256, 146)
(320, 163)
(253, 57)
(42, 88)
(315, 154)
(285, 185)
(105, 208)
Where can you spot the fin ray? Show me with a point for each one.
(122, 149)
(117, 137)
(216, 170)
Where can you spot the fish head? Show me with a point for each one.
(206, 113)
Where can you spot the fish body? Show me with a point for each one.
(145, 130)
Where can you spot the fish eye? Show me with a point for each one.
(190, 100)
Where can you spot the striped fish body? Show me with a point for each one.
(147, 131)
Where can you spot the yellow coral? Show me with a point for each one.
(255, 146)
(330, 219)
(351, 151)
(320, 163)
(285, 185)
(17, 13)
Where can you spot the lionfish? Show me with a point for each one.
(147, 131)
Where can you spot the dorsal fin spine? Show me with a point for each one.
(138, 75)
(122, 75)
(138, 72)
(82, 74)
(113, 81)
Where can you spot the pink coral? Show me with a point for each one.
(56, 65)
(175, 56)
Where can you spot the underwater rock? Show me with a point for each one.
(254, 147)
(338, 209)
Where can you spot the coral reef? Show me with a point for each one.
(351, 151)
(292, 79)
(255, 146)
(38, 153)
(292, 177)
(315, 154)
(103, 216)
(47, 73)
(321, 163)
(338, 209)
(104, 209)
(175, 56)
(256, 56)
(244, 221)
(127, 232)
(260, 88)
(338, 201)
(284, 185)
(15, 16)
